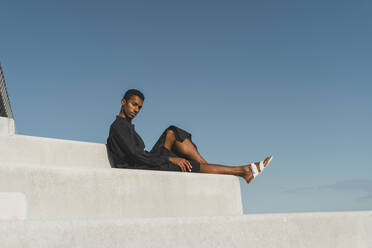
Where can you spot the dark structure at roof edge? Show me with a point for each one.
(5, 108)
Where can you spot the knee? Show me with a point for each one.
(170, 138)
(170, 132)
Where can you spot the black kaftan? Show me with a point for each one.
(127, 149)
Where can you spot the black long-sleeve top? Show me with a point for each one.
(127, 148)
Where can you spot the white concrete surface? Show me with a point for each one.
(65, 193)
(72, 198)
(28, 150)
(13, 206)
(320, 230)
(7, 127)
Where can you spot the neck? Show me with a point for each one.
(122, 114)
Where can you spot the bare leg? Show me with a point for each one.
(244, 171)
(186, 147)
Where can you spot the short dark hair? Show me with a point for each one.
(133, 92)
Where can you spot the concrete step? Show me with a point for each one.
(13, 206)
(65, 193)
(37, 151)
(321, 230)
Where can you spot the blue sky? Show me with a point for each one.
(246, 78)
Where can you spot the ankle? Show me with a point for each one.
(242, 170)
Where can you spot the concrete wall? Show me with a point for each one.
(65, 179)
(65, 193)
(320, 230)
(13, 206)
(28, 150)
(7, 127)
(72, 198)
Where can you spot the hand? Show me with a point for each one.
(184, 164)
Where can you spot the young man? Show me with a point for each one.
(174, 151)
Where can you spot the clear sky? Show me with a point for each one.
(246, 78)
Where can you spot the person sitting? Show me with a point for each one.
(174, 150)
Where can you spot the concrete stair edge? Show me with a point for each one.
(342, 229)
(65, 193)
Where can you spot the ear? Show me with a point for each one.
(123, 102)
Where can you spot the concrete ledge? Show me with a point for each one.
(13, 206)
(64, 193)
(321, 230)
(7, 126)
(20, 149)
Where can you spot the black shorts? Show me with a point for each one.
(160, 150)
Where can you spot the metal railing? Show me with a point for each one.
(5, 108)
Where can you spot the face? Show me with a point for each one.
(131, 107)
